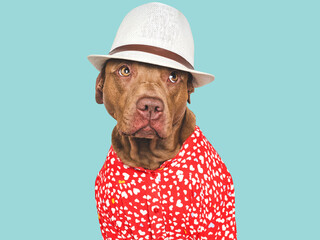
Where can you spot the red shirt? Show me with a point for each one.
(189, 197)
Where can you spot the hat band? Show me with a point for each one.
(153, 50)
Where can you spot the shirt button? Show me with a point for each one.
(156, 210)
(153, 174)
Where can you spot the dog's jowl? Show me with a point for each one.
(162, 179)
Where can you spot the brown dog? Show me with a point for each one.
(150, 105)
(162, 179)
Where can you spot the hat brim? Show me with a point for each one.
(199, 78)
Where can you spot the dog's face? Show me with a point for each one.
(146, 100)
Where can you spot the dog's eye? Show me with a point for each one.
(124, 71)
(173, 77)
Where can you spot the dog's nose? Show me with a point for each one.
(150, 107)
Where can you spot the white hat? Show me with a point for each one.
(158, 34)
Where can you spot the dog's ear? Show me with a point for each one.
(99, 84)
(99, 88)
(190, 87)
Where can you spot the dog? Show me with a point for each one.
(162, 179)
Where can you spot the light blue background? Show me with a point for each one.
(261, 113)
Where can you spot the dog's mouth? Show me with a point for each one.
(147, 132)
(144, 132)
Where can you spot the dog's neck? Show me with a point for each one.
(151, 153)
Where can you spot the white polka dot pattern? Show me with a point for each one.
(189, 197)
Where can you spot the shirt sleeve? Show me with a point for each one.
(227, 222)
(108, 226)
(109, 229)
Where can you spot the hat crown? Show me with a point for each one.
(157, 25)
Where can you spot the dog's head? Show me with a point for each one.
(146, 100)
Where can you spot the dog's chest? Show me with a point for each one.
(182, 197)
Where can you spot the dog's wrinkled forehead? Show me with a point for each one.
(116, 62)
